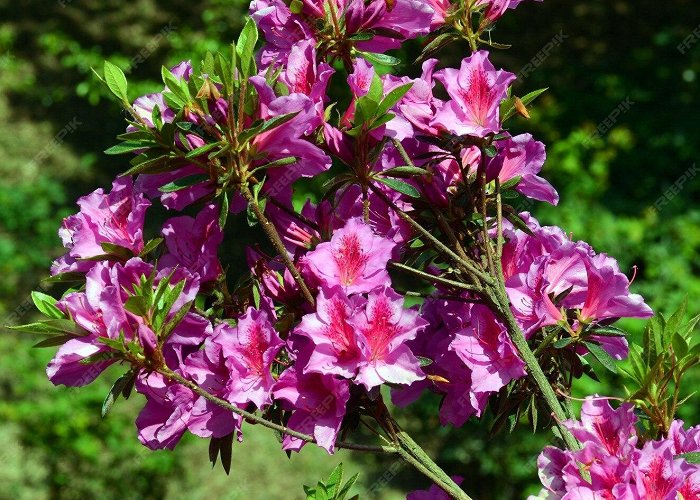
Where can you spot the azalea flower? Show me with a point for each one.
(116, 218)
(317, 403)
(521, 156)
(336, 348)
(617, 467)
(485, 347)
(476, 91)
(100, 310)
(384, 328)
(354, 259)
(193, 243)
(249, 349)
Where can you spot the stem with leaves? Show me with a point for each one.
(276, 241)
(404, 445)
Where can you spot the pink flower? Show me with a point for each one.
(384, 327)
(476, 90)
(608, 294)
(355, 259)
(163, 420)
(484, 346)
(616, 467)
(460, 402)
(101, 311)
(303, 75)
(611, 430)
(318, 405)
(193, 243)
(115, 218)
(249, 349)
(281, 28)
(496, 8)
(287, 140)
(659, 476)
(336, 348)
(419, 105)
(441, 8)
(522, 156)
(207, 368)
(434, 492)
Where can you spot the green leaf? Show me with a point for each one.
(150, 246)
(531, 96)
(137, 305)
(116, 81)
(203, 149)
(176, 87)
(381, 59)
(346, 488)
(246, 46)
(51, 327)
(424, 361)
(508, 105)
(673, 324)
(47, 305)
(177, 318)
(335, 480)
(65, 278)
(281, 162)
(561, 343)
(511, 183)
(691, 458)
(54, 341)
(117, 250)
(130, 147)
(151, 164)
(117, 388)
(183, 182)
(519, 223)
(400, 186)
(376, 89)
(361, 37)
(436, 44)
(608, 331)
(680, 346)
(405, 171)
(602, 356)
(393, 97)
(223, 213)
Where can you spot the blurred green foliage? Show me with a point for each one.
(595, 56)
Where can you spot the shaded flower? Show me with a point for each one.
(317, 403)
(193, 243)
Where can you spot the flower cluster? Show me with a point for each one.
(614, 463)
(418, 172)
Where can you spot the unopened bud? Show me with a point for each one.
(521, 109)
(208, 91)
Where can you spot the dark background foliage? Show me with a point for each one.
(595, 56)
